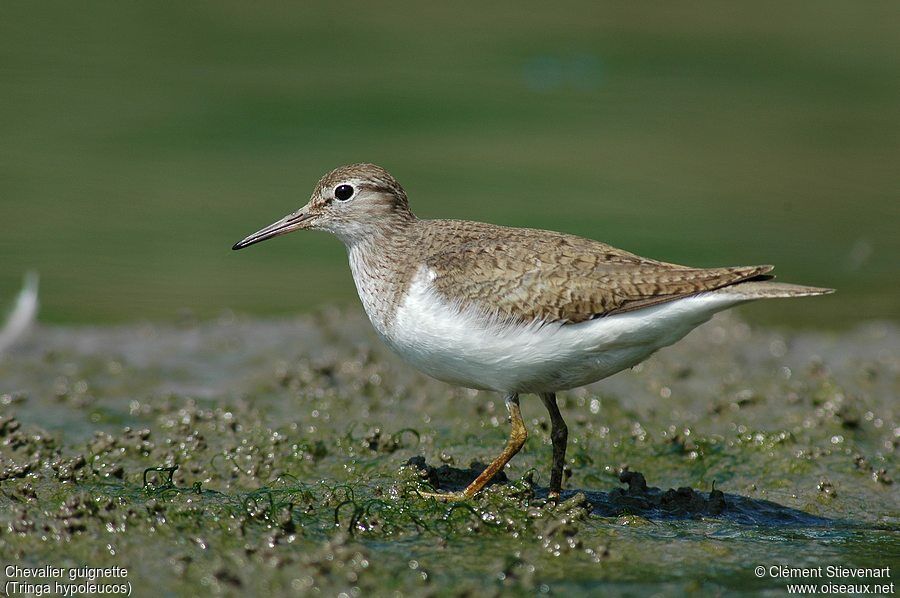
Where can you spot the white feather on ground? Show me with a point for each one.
(23, 313)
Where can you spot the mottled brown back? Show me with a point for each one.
(530, 275)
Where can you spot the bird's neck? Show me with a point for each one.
(382, 264)
(380, 231)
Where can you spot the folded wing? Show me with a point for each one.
(527, 276)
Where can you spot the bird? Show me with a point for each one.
(511, 310)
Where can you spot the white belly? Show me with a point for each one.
(463, 347)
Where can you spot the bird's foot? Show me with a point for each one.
(446, 496)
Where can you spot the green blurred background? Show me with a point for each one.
(138, 141)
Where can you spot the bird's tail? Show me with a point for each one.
(770, 289)
(23, 313)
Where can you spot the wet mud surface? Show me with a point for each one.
(244, 456)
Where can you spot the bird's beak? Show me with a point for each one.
(289, 223)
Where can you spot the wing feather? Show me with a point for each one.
(526, 275)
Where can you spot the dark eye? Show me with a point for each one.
(343, 192)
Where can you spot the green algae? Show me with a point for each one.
(241, 456)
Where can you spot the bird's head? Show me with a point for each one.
(354, 202)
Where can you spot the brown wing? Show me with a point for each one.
(529, 275)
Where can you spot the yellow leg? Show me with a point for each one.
(517, 437)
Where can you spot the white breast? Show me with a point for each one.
(457, 344)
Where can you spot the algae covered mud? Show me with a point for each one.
(250, 457)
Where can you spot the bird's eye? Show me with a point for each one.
(343, 192)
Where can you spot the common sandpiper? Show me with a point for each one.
(513, 310)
